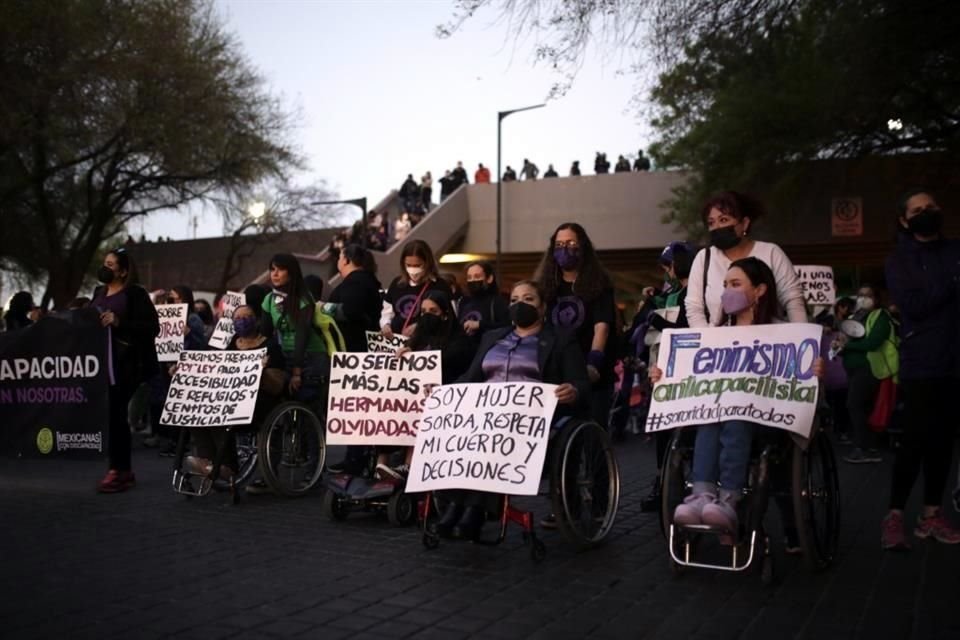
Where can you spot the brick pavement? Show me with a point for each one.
(150, 564)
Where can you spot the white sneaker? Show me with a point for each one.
(722, 515)
(690, 512)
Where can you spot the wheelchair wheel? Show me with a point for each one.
(816, 499)
(246, 460)
(291, 449)
(333, 507)
(401, 509)
(676, 475)
(584, 484)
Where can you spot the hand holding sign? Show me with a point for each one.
(483, 436)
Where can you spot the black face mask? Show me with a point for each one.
(476, 287)
(429, 324)
(724, 238)
(105, 275)
(926, 223)
(524, 315)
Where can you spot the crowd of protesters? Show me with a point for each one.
(883, 350)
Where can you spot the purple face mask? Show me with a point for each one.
(734, 301)
(245, 327)
(566, 257)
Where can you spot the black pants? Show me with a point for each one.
(118, 436)
(927, 442)
(211, 440)
(601, 397)
(861, 397)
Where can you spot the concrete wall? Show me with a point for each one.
(618, 210)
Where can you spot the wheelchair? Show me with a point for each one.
(346, 493)
(288, 448)
(584, 492)
(802, 480)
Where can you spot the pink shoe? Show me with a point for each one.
(722, 515)
(892, 536)
(690, 511)
(937, 527)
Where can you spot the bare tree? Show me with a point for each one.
(271, 207)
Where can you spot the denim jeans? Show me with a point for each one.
(722, 453)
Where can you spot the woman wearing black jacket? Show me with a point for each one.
(126, 308)
(358, 297)
(484, 309)
(527, 351)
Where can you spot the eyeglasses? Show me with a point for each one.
(569, 244)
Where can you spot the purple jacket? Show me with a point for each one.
(924, 281)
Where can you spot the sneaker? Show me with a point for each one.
(197, 465)
(892, 536)
(937, 527)
(550, 522)
(398, 472)
(151, 442)
(691, 510)
(168, 451)
(844, 439)
(720, 514)
(116, 481)
(859, 456)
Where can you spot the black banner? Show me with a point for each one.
(54, 379)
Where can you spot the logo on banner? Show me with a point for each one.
(45, 441)
(87, 441)
(569, 313)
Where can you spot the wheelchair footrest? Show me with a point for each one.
(183, 485)
(737, 561)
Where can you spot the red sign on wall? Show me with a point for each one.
(847, 216)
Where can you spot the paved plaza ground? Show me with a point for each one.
(151, 564)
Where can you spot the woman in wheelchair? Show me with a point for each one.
(436, 329)
(288, 314)
(722, 450)
(526, 351)
(208, 441)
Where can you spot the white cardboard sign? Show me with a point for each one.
(169, 342)
(818, 285)
(223, 332)
(379, 343)
(761, 374)
(377, 398)
(214, 388)
(483, 436)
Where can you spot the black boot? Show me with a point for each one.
(470, 524)
(652, 501)
(449, 519)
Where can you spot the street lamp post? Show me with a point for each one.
(500, 116)
(357, 202)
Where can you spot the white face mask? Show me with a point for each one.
(414, 273)
(865, 303)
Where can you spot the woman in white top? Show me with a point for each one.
(729, 217)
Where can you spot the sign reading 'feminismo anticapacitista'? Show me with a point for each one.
(761, 374)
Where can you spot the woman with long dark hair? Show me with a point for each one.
(126, 308)
(357, 296)
(288, 314)
(721, 453)
(529, 350)
(437, 329)
(578, 293)
(419, 274)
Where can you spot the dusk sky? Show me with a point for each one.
(380, 96)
